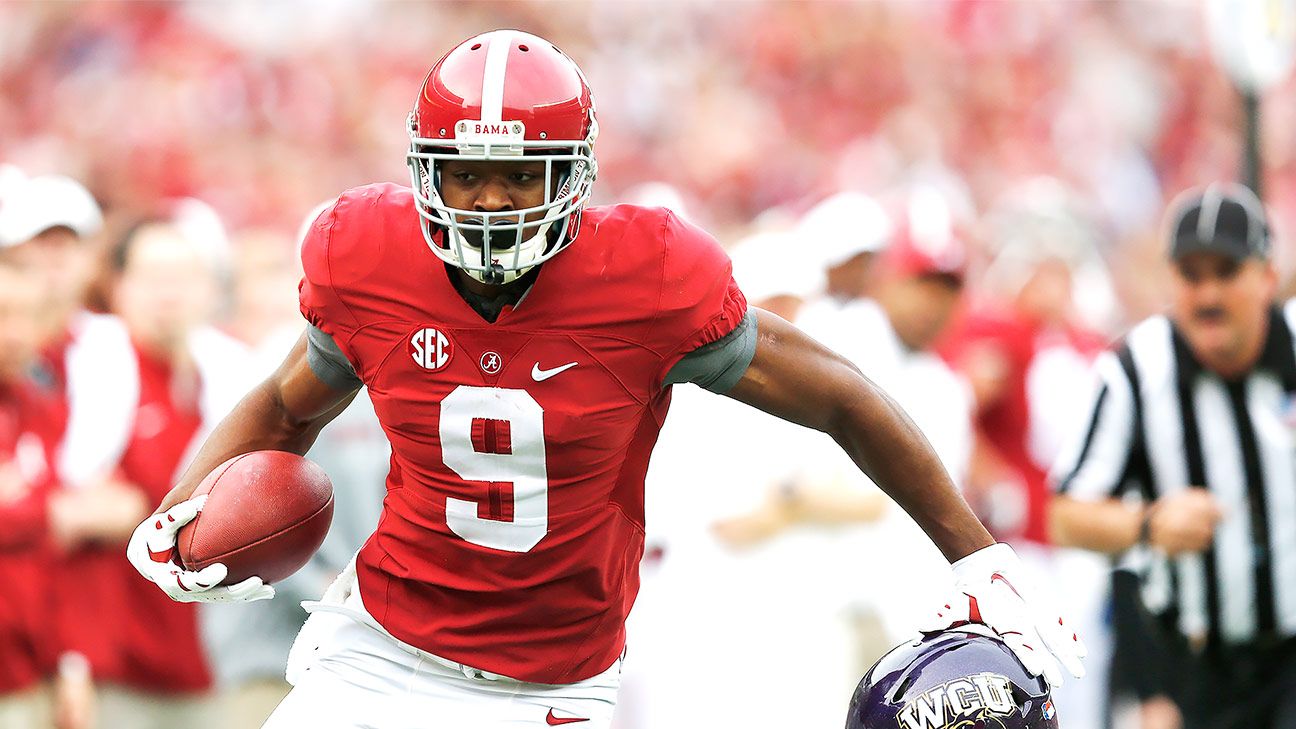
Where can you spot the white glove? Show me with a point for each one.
(152, 551)
(991, 589)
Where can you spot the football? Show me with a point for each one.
(266, 514)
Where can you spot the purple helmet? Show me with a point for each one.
(957, 678)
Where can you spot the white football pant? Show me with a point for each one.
(349, 673)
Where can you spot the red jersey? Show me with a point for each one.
(513, 523)
(28, 431)
(1007, 424)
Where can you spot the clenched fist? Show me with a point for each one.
(1183, 522)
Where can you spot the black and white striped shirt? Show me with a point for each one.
(1161, 423)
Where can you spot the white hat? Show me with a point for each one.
(49, 201)
(768, 264)
(842, 226)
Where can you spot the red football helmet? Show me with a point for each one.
(500, 96)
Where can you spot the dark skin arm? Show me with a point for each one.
(285, 412)
(799, 380)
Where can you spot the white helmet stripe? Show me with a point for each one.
(493, 79)
(1212, 199)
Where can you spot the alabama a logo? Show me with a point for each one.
(430, 349)
(960, 702)
(491, 362)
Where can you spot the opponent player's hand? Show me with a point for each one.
(152, 551)
(991, 589)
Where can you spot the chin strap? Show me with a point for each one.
(497, 275)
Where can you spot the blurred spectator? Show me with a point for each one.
(44, 224)
(815, 502)
(1020, 346)
(47, 225)
(155, 393)
(1023, 348)
(248, 644)
(917, 286)
(705, 603)
(264, 313)
(842, 234)
(28, 435)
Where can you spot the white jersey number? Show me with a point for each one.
(524, 465)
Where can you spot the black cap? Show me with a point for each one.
(1224, 218)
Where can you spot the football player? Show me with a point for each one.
(522, 386)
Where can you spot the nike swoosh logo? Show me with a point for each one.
(540, 375)
(1001, 578)
(552, 720)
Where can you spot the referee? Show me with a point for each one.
(1188, 467)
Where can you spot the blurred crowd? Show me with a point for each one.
(263, 111)
(963, 196)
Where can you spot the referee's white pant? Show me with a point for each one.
(347, 672)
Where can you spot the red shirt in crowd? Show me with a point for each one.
(1006, 424)
(133, 634)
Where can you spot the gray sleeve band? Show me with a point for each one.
(719, 365)
(327, 361)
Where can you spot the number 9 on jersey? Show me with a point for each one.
(523, 465)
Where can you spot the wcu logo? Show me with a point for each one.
(954, 703)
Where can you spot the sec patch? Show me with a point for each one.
(430, 349)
